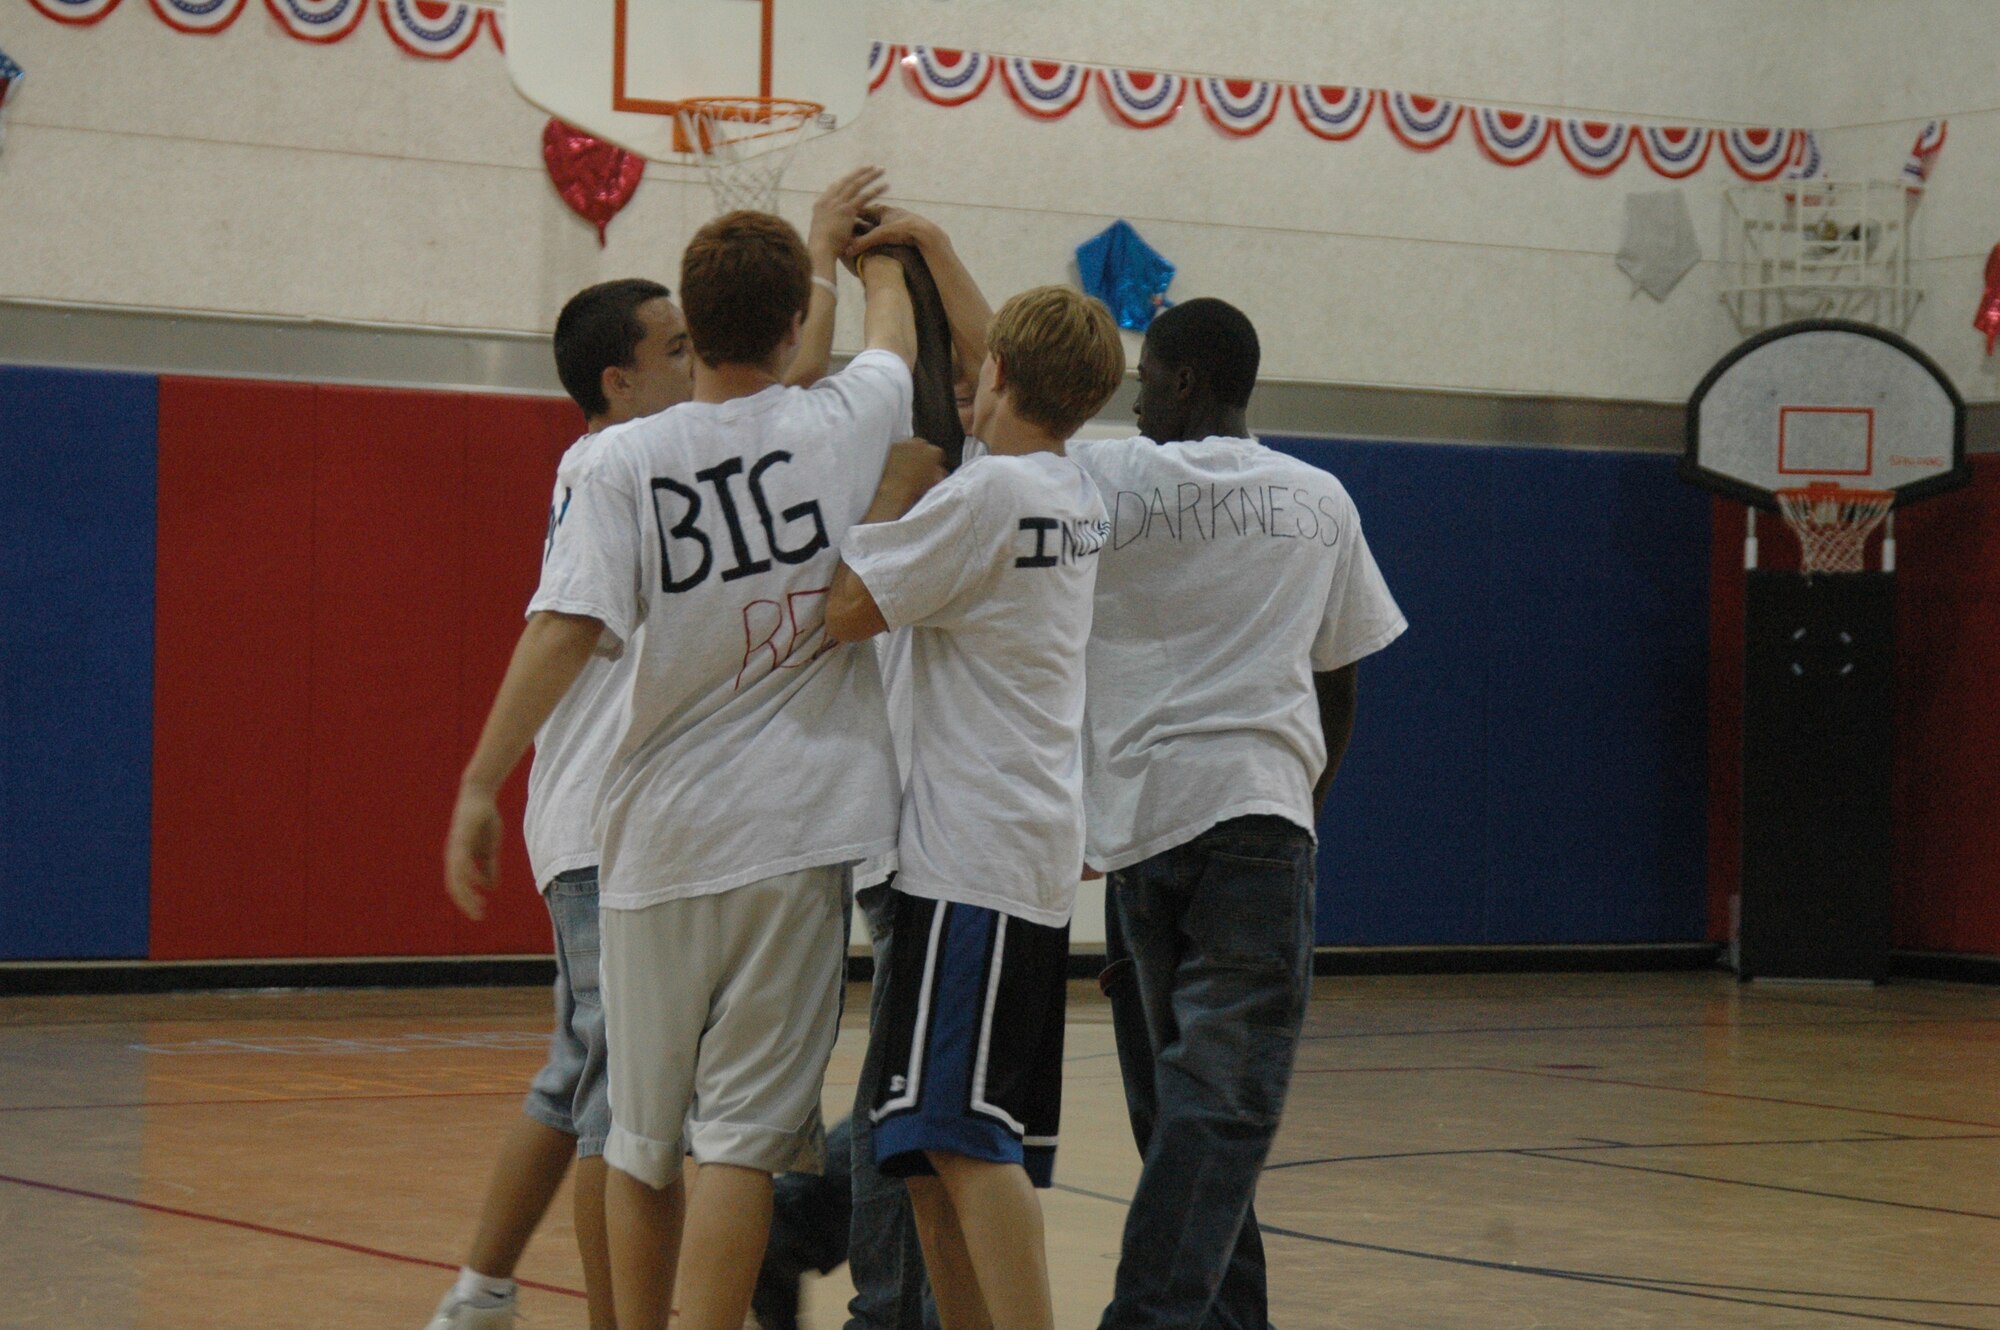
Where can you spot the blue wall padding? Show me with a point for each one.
(77, 465)
(1530, 760)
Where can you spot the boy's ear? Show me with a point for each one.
(613, 382)
(999, 371)
(1186, 382)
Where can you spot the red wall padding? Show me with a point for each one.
(232, 673)
(343, 572)
(1947, 726)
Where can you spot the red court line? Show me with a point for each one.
(266, 1230)
(1752, 1098)
(282, 1099)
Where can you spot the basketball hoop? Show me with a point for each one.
(1833, 524)
(744, 144)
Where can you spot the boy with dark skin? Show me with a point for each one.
(1206, 769)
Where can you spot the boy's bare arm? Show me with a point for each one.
(1337, 690)
(965, 307)
(834, 215)
(889, 323)
(552, 651)
(914, 466)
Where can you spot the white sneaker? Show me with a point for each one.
(455, 1313)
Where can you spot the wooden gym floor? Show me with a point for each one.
(1518, 1151)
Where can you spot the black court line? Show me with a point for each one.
(1649, 1025)
(1637, 1284)
(1762, 1186)
(1870, 1139)
(1655, 1086)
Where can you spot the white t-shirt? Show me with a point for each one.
(752, 745)
(575, 743)
(892, 653)
(992, 573)
(1232, 575)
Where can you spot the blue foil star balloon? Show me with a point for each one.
(1126, 273)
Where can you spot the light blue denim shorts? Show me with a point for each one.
(570, 1092)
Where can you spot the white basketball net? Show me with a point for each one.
(744, 145)
(1833, 524)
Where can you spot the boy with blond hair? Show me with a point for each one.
(993, 571)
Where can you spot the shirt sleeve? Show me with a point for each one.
(920, 566)
(868, 406)
(592, 566)
(1361, 616)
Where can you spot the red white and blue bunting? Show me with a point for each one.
(320, 21)
(11, 75)
(1923, 156)
(1424, 124)
(1333, 113)
(1050, 90)
(1594, 147)
(1675, 151)
(1760, 154)
(945, 77)
(198, 16)
(1140, 98)
(1238, 107)
(433, 29)
(78, 12)
(1511, 138)
(882, 60)
(1045, 89)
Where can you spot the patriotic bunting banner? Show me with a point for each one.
(1807, 164)
(882, 58)
(1923, 155)
(1238, 107)
(1141, 98)
(433, 29)
(1759, 154)
(1333, 113)
(198, 16)
(1045, 89)
(318, 20)
(75, 11)
(945, 77)
(1511, 138)
(11, 75)
(1675, 151)
(1594, 147)
(1423, 123)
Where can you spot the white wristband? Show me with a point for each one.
(827, 282)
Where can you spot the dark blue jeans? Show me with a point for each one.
(1209, 948)
(891, 1291)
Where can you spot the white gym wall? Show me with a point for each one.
(249, 173)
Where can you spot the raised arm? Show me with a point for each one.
(965, 307)
(914, 467)
(834, 216)
(888, 324)
(552, 651)
(1337, 691)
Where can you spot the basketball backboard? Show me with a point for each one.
(1825, 402)
(618, 68)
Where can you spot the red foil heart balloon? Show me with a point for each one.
(1988, 320)
(595, 178)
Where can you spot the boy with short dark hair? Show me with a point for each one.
(992, 571)
(1234, 599)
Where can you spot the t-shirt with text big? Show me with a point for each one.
(1233, 573)
(752, 744)
(992, 573)
(574, 745)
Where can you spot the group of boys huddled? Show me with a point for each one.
(779, 655)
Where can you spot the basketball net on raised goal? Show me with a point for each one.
(743, 144)
(1833, 524)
